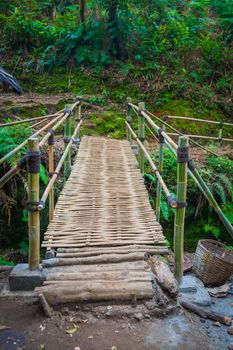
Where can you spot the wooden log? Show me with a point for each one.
(108, 258)
(163, 275)
(207, 313)
(100, 275)
(96, 292)
(6, 268)
(45, 306)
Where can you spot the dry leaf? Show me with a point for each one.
(77, 348)
(72, 330)
(42, 346)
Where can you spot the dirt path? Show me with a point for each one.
(31, 331)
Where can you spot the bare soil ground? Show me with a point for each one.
(34, 99)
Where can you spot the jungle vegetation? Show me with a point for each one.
(176, 55)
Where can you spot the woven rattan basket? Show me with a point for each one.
(213, 264)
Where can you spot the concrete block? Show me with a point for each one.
(21, 278)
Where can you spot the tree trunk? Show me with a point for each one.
(82, 11)
(115, 48)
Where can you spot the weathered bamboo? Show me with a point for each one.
(19, 147)
(156, 171)
(30, 120)
(59, 166)
(182, 168)
(33, 197)
(51, 171)
(198, 120)
(159, 188)
(151, 132)
(178, 133)
(141, 135)
(67, 136)
(129, 118)
(202, 137)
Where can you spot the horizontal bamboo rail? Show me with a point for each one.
(180, 134)
(58, 168)
(202, 137)
(30, 120)
(38, 132)
(153, 166)
(200, 120)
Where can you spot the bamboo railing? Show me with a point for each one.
(32, 161)
(185, 166)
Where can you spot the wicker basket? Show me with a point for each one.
(213, 264)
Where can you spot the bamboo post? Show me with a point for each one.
(77, 116)
(182, 170)
(33, 163)
(67, 136)
(129, 119)
(220, 132)
(160, 168)
(51, 172)
(141, 135)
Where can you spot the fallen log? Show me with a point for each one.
(45, 306)
(163, 274)
(206, 313)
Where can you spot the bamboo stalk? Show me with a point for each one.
(202, 137)
(51, 171)
(30, 120)
(156, 171)
(129, 119)
(59, 166)
(159, 188)
(67, 136)
(141, 135)
(198, 120)
(182, 169)
(33, 197)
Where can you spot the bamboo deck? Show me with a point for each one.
(103, 218)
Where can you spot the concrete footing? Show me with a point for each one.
(21, 278)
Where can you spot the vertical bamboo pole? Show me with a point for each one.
(78, 113)
(129, 119)
(141, 135)
(67, 136)
(182, 170)
(220, 132)
(160, 168)
(51, 172)
(33, 198)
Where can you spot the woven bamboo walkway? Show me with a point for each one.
(102, 227)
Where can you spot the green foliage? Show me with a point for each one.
(4, 262)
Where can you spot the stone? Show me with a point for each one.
(138, 316)
(193, 291)
(219, 292)
(230, 346)
(21, 278)
(217, 324)
(230, 330)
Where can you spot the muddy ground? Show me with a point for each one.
(29, 329)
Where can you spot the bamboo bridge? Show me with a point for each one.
(103, 223)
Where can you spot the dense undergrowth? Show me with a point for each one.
(174, 55)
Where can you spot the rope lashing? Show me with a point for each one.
(35, 206)
(51, 137)
(182, 154)
(33, 162)
(161, 137)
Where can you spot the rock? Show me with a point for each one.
(193, 291)
(138, 316)
(230, 330)
(219, 292)
(202, 320)
(230, 346)
(217, 324)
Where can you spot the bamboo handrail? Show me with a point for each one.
(19, 147)
(30, 120)
(152, 164)
(151, 132)
(180, 133)
(202, 137)
(59, 166)
(199, 120)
